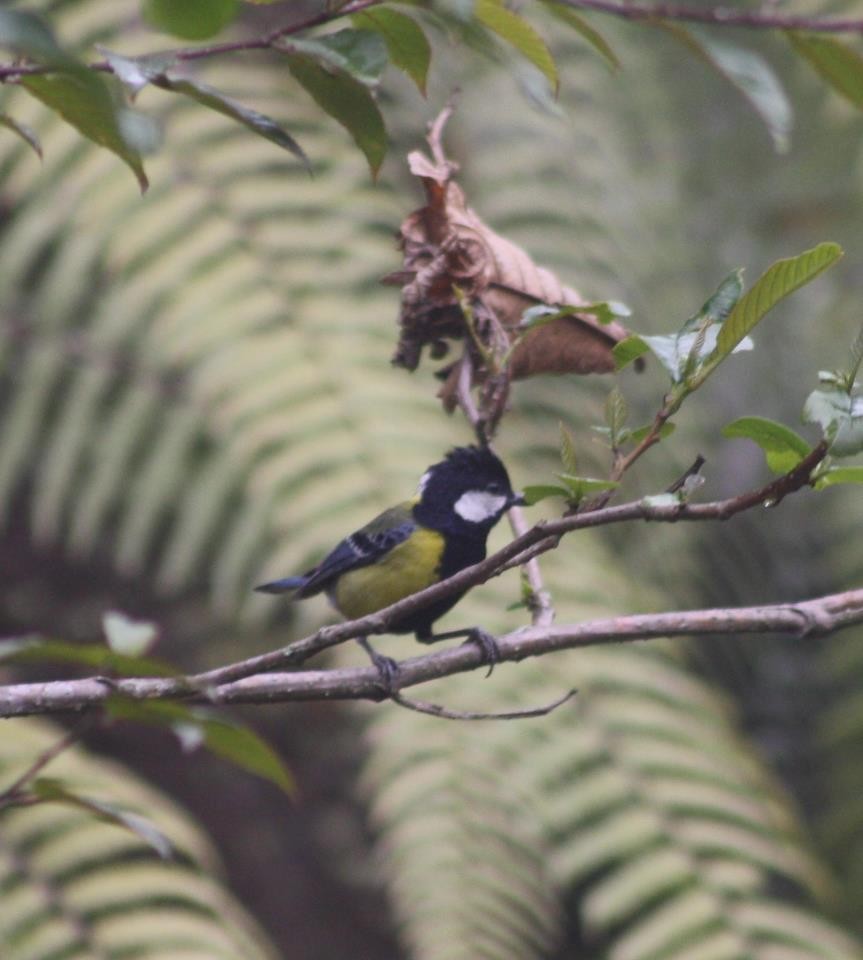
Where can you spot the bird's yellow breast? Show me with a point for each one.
(411, 566)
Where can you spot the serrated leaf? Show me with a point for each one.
(261, 124)
(840, 417)
(407, 45)
(838, 64)
(783, 448)
(56, 791)
(776, 283)
(568, 16)
(83, 99)
(348, 101)
(190, 19)
(127, 636)
(628, 350)
(360, 53)
(27, 134)
(533, 493)
(837, 475)
(568, 455)
(517, 32)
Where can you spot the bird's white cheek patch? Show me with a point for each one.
(476, 506)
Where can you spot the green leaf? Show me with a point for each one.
(136, 72)
(628, 350)
(615, 414)
(568, 16)
(196, 727)
(261, 124)
(36, 650)
(190, 19)
(80, 96)
(247, 750)
(27, 134)
(837, 475)
(533, 493)
(605, 311)
(580, 487)
(407, 45)
(717, 308)
(56, 791)
(83, 99)
(783, 448)
(838, 64)
(780, 279)
(348, 101)
(856, 357)
(638, 434)
(27, 34)
(681, 354)
(127, 636)
(10, 647)
(749, 73)
(361, 53)
(840, 416)
(568, 456)
(517, 32)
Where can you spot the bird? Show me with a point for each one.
(441, 530)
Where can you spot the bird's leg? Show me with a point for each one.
(387, 668)
(485, 641)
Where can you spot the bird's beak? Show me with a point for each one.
(517, 499)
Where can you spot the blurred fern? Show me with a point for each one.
(195, 388)
(71, 885)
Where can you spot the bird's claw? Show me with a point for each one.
(488, 647)
(387, 668)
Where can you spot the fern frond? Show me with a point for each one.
(71, 883)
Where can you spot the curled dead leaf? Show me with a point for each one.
(452, 258)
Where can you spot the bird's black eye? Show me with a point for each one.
(494, 487)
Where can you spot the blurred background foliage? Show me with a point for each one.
(195, 394)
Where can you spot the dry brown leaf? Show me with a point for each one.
(447, 246)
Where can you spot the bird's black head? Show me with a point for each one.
(469, 491)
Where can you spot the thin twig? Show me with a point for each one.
(692, 471)
(190, 54)
(445, 713)
(14, 793)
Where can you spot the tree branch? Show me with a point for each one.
(189, 54)
(758, 19)
(810, 618)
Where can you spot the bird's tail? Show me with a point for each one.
(287, 585)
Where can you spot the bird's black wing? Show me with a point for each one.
(362, 548)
